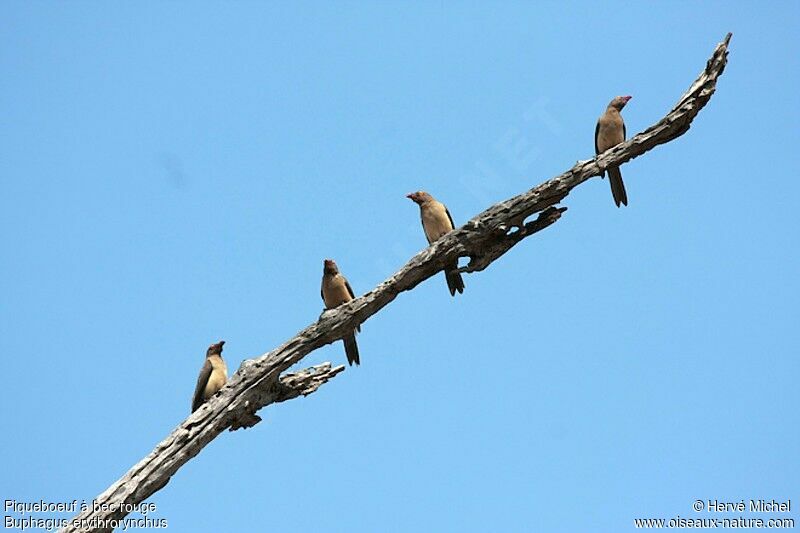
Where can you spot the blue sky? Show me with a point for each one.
(175, 173)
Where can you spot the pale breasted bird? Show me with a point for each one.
(437, 222)
(212, 377)
(610, 131)
(336, 291)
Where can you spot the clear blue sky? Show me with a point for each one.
(174, 173)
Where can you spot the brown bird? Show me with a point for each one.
(212, 377)
(336, 291)
(437, 222)
(610, 131)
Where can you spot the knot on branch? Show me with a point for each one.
(289, 386)
(246, 418)
(505, 237)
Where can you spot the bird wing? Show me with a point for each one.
(202, 381)
(449, 217)
(596, 133)
(349, 289)
(352, 295)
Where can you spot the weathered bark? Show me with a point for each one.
(483, 239)
(154, 471)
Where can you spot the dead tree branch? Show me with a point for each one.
(483, 239)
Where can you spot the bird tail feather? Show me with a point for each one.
(617, 186)
(454, 280)
(351, 349)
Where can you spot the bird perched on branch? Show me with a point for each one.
(610, 131)
(212, 377)
(336, 291)
(437, 222)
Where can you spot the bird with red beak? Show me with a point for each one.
(213, 376)
(609, 132)
(437, 222)
(335, 291)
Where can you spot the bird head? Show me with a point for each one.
(215, 349)
(419, 197)
(330, 267)
(619, 102)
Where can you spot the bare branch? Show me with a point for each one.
(483, 239)
(154, 471)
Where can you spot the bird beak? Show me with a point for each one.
(410, 196)
(628, 98)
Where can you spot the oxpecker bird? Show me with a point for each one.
(212, 377)
(336, 291)
(610, 131)
(437, 222)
